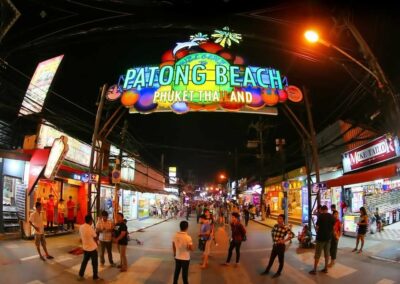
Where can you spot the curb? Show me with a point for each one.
(143, 228)
(261, 223)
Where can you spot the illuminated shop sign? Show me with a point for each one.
(57, 154)
(172, 175)
(202, 75)
(78, 152)
(39, 86)
(377, 151)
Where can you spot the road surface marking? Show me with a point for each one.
(29, 257)
(385, 281)
(139, 271)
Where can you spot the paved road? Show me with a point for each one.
(152, 263)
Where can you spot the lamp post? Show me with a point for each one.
(376, 72)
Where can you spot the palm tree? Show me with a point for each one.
(226, 36)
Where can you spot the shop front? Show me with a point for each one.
(13, 183)
(274, 195)
(371, 180)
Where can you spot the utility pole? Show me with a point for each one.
(280, 142)
(373, 63)
(118, 165)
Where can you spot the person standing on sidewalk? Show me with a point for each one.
(362, 229)
(324, 228)
(70, 214)
(89, 243)
(36, 221)
(280, 235)
(205, 236)
(337, 232)
(121, 238)
(238, 235)
(60, 219)
(182, 244)
(104, 228)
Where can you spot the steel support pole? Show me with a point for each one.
(118, 167)
(94, 144)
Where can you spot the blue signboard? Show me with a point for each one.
(304, 209)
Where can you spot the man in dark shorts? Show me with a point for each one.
(324, 228)
(121, 238)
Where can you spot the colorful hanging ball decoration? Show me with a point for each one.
(294, 94)
(145, 103)
(180, 107)
(257, 100)
(113, 93)
(283, 96)
(270, 97)
(129, 97)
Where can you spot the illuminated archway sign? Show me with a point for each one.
(201, 75)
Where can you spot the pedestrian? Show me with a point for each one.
(246, 216)
(188, 212)
(378, 220)
(182, 245)
(70, 214)
(121, 238)
(333, 208)
(324, 228)
(104, 228)
(36, 221)
(61, 208)
(238, 235)
(89, 243)
(337, 232)
(205, 236)
(50, 212)
(362, 229)
(280, 235)
(268, 211)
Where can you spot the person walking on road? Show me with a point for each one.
(121, 238)
(238, 235)
(205, 236)
(337, 232)
(324, 228)
(104, 228)
(182, 244)
(36, 221)
(246, 215)
(280, 235)
(362, 229)
(89, 243)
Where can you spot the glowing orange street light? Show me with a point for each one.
(313, 37)
(222, 176)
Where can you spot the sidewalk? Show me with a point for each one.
(387, 250)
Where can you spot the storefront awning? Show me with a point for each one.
(141, 188)
(387, 171)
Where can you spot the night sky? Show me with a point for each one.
(102, 39)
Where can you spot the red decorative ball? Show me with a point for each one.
(129, 98)
(270, 97)
(283, 96)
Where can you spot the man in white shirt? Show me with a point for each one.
(105, 228)
(89, 244)
(36, 221)
(182, 245)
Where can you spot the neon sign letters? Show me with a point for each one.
(202, 75)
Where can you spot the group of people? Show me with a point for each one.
(55, 212)
(93, 239)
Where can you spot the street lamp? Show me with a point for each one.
(313, 37)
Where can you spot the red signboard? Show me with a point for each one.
(379, 150)
(36, 166)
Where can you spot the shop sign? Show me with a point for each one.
(57, 154)
(78, 152)
(39, 86)
(116, 176)
(200, 74)
(318, 187)
(304, 209)
(377, 151)
(36, 166)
